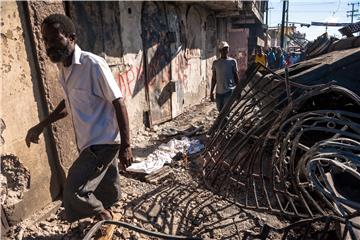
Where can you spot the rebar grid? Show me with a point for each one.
(285, 148)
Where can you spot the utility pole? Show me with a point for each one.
(283, 20)
(267, 21)
(353, 11)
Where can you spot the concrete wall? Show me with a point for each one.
(30, 172)
(62, 139)
(190, 57)
(113, 31)
(130, 74)
(195, 89)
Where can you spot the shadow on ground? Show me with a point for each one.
(180, 209)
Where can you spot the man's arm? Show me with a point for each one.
(213, 83)
(236, 73)
(236, 78)
(33, 133)
(125, 153)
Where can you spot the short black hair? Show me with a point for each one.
(66, 25)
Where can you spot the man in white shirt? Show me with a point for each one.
(225, 76)
(97, 109)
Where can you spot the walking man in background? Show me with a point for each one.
(225, 77)
(100, 120)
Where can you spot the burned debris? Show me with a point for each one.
(14, 180)
(288, 143)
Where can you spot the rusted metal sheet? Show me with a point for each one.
(157, 53)
(238, 41)
(290, 147)
(318, 46)
(178, 63)
(349, 29)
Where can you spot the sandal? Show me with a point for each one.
(106, 231)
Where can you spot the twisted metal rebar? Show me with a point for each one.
(286, 148)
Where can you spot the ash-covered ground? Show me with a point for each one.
(176, 201)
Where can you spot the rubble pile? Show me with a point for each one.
(15, 180)
(325, 44)
(178, 204)
(281, 161)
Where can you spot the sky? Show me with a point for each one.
(308, 11)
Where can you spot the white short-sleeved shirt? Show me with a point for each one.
(90, 88)
(225, 68)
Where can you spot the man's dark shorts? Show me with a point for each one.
(93, 182)
(222, 99)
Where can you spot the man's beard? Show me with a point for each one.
(58, 55)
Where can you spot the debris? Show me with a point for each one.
(181, 196)
(15, 180)
(20, 233)
(155, 128)
(155, 211)
(165, 154)
(4, 222)
(273, 144)
(195, 147)
(179, 156)
(169, 132)
(2, 128)
(319, 46)
(157, 176)
(3, 184)
(188, 132)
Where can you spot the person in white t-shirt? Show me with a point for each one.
(225, 77)
(96, 106)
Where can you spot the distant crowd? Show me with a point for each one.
(276, 58)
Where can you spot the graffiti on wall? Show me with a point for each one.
(129, 80)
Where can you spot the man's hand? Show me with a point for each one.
(32, 135)
(212, 98)
(125, 157)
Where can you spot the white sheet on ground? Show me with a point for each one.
(165, 153)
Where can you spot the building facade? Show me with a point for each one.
(160, 53)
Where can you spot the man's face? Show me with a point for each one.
(58, 46)
(224, 51)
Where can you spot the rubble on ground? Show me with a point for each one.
(262, 169)
(14, 180)
(176, 204)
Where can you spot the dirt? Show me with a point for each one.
(179, 204)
